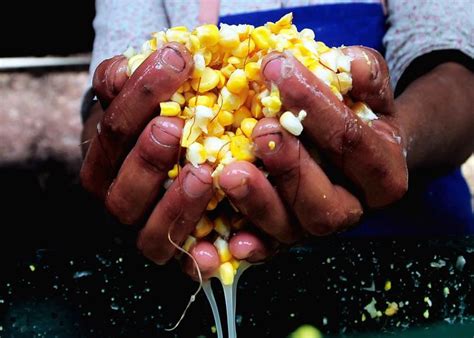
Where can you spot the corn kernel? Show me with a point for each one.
(247, 125)
(222, 79)
(134, 62)
(199, 65)
(193, 44)
(208, 35)
(203, 100)
(212, 204)
(222, 227)
(209, 80)
(228, 37)
(262, 37)
(239, 115)
(173, 173)
(271, 145)
(222, 249)
(241, 148)
(178, 98)
(203, 227)
(235, 264)
(213, 145)
(226, 273)
(344, 82)
(237, 81)
(230, 101)
(252, 71)
(225, 118)
(364, 112)
(196, 154)
(191, 132)
(170, 108)
(272, 105)
(228, 70)
(179, 34)
(291, 123)
(256, 108)
(244, 48)
(215, 129)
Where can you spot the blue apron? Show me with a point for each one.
(433, 206)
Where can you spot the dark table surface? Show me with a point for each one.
(67, 271)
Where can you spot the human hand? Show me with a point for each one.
(370, 156)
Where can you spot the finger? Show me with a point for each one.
(109, 78)
(245, 245)
(320, 206)
(253, 195)
(207, 258)
(370, 79)
(178, 211)
(376, 165)
(143, 172)
(157, 78)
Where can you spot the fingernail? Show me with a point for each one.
(268, 143)
(194, 187)
(173, 58)
(166, 133)
(235, 184)
(272, 70)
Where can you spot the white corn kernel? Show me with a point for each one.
(291, 123)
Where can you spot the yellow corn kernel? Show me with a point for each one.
(196, 154)
(228, 37)
(241, 148)
(223, 249)
(364, 112)
(188, 96)
(179, 34)
(271, 145)
(222, 227)
(336, 92)
(212, 204)
(178, 98)
(329, 59)
(187, 113)
(272, 105)
(225, 118)
(237, 81)
(199, 65)
(230, 101)
(262, 37)
(222, 79)
(235, 263)
(173, 173)
(240, 114)
(244, 48)
(134, 62)
(208, 35)
(213, 145)
(203, 228)
(322, 48)
(238, 132)
(256, 108)
(388, 285)
(208, 100)
(226, 273)
(189, 243)
(215, 129)
(228, 70)
(247, 125)
(391, 309)
(344, 82)
(170, 108)
(208, 81)
(252, 71)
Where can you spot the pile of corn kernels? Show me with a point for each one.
(226, 96)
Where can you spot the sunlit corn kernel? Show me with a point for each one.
(238, 132)
(230, 101)
(202, 100)
(226, 273)
(336, 92)
(233, 60)
(215, 129)
(146, 48)
(343, 62)
(244, 31)
(196, 154)
(256, 108)
(252, 71)
(307, 33)
(223, 249)
(212, 204)
(247, 125)
(329, 59)
(213, 146)
(271, 145)
(262, 37)
(291, 123)
(203, 116)
(178, 98)
(228, 70)
(179, 34)
(189, 243)
(170, 108)
(244, 48)
(322, 73)
(203, 227)
(239, 115)
(199, 65)
(173, 173)
(241, 148)
(222, 227)
(272, 104)
(209, 80)
(191, 132)
(225, 118)
(134, 62)
(228, 37)
(193, 44)
(208, 35)
(344, 82)
(286, 20)
(222, 79)
(187, 113)
(237, 81)
(364, 112)
(322, 48)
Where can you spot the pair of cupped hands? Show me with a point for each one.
(132, 148)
